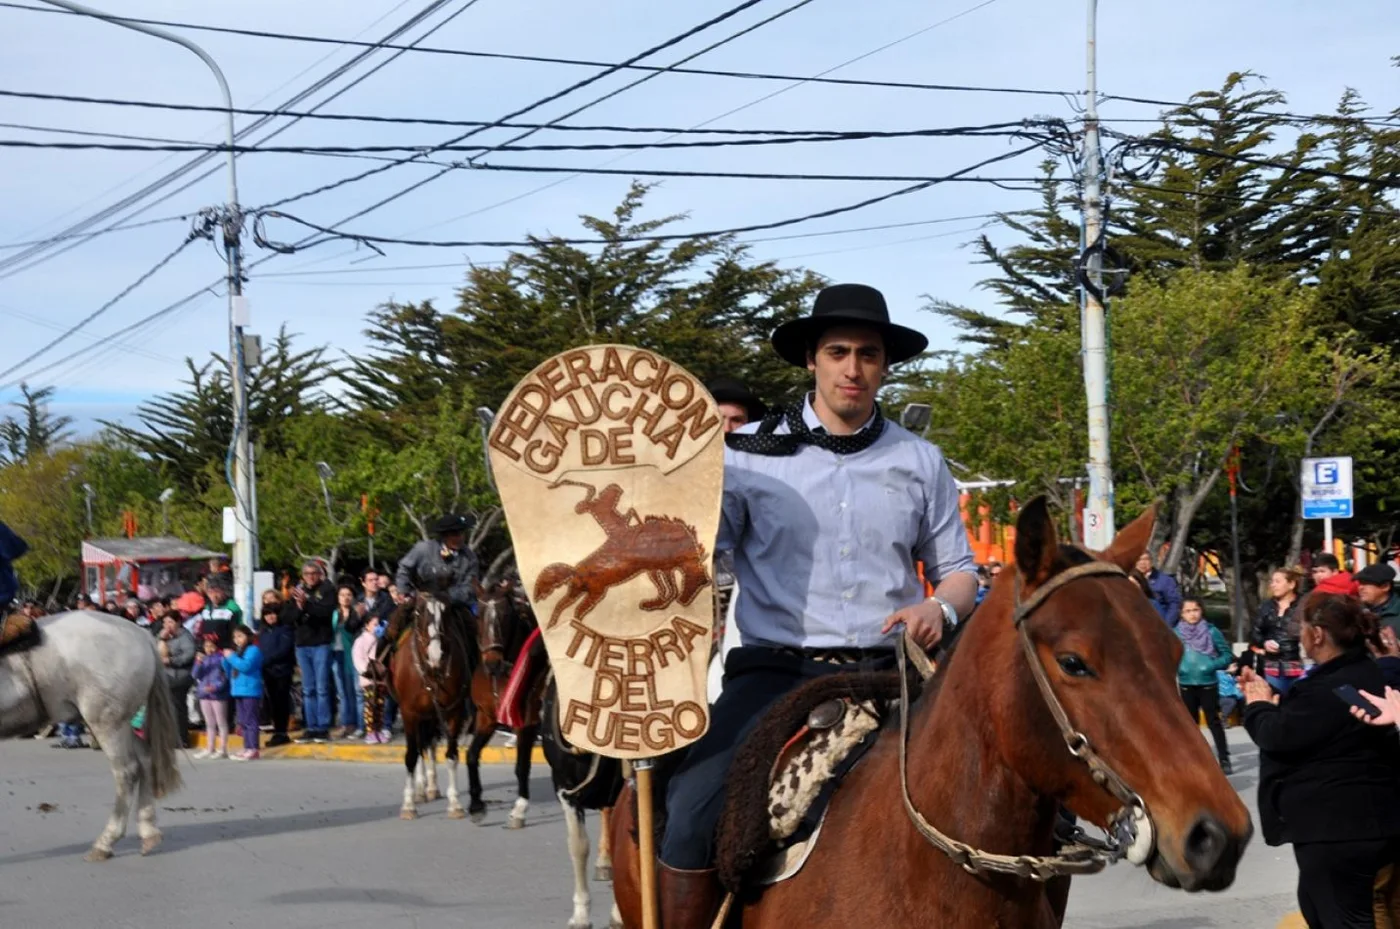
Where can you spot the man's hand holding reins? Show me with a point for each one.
(924, 622)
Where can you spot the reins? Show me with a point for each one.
(1130, 834)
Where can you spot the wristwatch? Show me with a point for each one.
(950, 615)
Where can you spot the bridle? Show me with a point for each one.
(1130, 833)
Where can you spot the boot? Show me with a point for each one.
(689, 899)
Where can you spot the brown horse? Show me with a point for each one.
(995, 745)
(430, 674)
(504, 622)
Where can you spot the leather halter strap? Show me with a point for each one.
(1082, 855)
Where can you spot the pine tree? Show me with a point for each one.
(36, 431)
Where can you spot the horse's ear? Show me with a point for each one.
(1036, 542)
(1131, 541)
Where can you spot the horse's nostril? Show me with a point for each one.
(1206, 843)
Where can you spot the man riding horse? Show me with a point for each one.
(443, 563)
(827, 508)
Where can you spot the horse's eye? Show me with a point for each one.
(1074, 666)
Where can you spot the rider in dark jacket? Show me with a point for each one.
(11, 548)
(444, 564)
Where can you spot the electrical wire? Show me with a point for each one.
(9, 265)
(1141, 142)
(991, 130)
(550, 98)
(579, 62)
(411, 120)
(203, 231)
(92, 235)
(796, 82)
(373, 240)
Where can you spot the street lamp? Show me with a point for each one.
(324, 472)
(88, 494)
(916, 417)
(165, 496)
(245, 552)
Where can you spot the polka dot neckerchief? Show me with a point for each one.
(766, 441)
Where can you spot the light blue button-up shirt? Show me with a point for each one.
(825, 545)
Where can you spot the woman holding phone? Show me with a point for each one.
(1327, 783)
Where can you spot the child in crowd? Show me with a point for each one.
(244, 661)
(277, 642)
(211, 683)
(363, 653)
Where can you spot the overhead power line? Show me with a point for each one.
(1155, 142)
(203, 231)
(14, 264)
(991, 130)
(331, 233)
(90, 235)
(542, 101)
(552, 126)
(588, 63)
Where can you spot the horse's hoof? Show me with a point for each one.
(478, 816)
(150, 843)
(98, 854)
(432, 795)
(408, 814)
(515, 822)
(457, 813)
(581, 925)
(602, 873)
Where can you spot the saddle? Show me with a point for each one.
(17, 633)
(787, 770)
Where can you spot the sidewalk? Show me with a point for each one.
(358, 751)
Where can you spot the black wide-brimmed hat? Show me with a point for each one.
(847, 305)
(729, 390)
(447, 525)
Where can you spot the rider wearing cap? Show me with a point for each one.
(828, 509)
(11, 548)
(442, 563)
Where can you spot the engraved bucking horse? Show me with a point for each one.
(658, 546)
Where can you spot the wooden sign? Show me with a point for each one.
(610, 465)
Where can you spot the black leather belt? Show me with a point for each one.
(840, 655)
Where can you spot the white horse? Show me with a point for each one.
(100, 670)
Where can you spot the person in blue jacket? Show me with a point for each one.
(1205, 653)
(11, 548)
(244, 663)
(1166, 594)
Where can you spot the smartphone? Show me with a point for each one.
(1349, 694)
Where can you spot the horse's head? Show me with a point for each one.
(495, 621)
(1107, 666)
(429, 615)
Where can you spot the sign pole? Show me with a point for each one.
(646, 843)
(1327, 534)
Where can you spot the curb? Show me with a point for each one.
(366, 754)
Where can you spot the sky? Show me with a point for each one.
(1310, 51)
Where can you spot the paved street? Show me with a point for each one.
(302, 844)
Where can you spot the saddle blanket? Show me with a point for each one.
(511, 710)
(812, 758)
(18, 632)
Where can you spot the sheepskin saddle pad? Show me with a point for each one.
(786, 771)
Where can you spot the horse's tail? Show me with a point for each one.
(551, 578)
(163, 736)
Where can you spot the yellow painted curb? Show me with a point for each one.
(1293, 921)
(346, 750)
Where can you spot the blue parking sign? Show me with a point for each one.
(1327, 487)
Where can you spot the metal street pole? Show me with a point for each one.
(1099, 528)
(1232, 470)
(245, 548)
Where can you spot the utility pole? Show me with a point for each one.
(245, 547)
(1098, 524)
